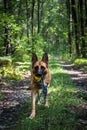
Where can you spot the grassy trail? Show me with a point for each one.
(64, 103)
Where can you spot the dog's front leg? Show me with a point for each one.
(33, 96)
(47, 104)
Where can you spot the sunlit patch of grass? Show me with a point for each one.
(14, 71)
(81, 63)
(22, 66)
(10, 73)
(59, 116)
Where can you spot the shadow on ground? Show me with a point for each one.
(15, 102)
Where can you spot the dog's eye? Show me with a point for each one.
(42, 67)
(36, 67)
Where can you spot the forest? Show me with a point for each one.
(59, 28)
(43, 25)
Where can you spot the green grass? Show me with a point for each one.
(81, 63)
(13, 71)
(62, 98)
(22, 66)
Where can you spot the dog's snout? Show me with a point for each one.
(39, 73)
(39, 70)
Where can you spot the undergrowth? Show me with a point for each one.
(62, 98)
(12, 70)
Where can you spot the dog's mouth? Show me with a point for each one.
(38, 75)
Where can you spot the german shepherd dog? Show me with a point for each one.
(39, 69)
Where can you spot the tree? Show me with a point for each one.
(27, 19)
(32, 17)
(38, 31)
(74, 17)
(81, 11)
(69, 14)
(6, 32)
(56, 26)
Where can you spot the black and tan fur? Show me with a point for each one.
(39, 68)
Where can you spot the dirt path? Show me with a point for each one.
(78, 76)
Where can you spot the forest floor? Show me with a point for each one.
(16, 96)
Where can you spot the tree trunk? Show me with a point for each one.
(83, 47)
(68, 4)
(85, 13)
(38, 31)
(85, 29)
(6, 39)
(74, 17)
(27, 19)
(32, 17)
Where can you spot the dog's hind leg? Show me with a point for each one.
(38, 94)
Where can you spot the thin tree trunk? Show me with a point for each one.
(74, 17)
(38, 31)
(27, 19)
(32, 17)
(68, 4)
(19, 9)
(85, 29)
(6, 39)
(83, 48)
(85, 13)
(32, 24)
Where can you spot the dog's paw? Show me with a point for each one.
(47, 105)
(38, 103)
(32, 116)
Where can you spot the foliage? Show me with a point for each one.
(9, 22)
(38, 45)
(5, 61)
(39, 26)
(7, 69)
(21, 51)
(10, 72)
(80, 61)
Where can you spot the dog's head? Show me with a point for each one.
(39, 67)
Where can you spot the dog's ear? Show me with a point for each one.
(45, 58)
(34, 59)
